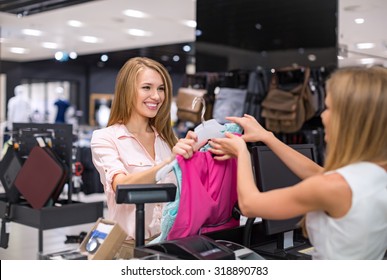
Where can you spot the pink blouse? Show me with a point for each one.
(115, 150)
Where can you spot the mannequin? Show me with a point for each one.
(62, 105)
(19, 108)
(103, 113)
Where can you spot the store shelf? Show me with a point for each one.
(57, 216)
(67, 214)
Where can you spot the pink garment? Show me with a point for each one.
(208, 195)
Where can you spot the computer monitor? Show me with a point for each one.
(271, 173)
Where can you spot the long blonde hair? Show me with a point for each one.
(357, 129)
(358, 117)
(125, 95)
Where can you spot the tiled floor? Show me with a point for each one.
(23, 240)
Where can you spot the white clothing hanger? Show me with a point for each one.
(205, 131)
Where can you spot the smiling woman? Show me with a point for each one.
(137, 142)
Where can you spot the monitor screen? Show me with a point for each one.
(271, 173)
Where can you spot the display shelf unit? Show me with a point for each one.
(68, 214)
(64, 213)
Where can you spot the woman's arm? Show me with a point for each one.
(302, 166)
(329, 193)
(184, 147)
(109, 164)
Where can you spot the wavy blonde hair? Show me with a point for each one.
(357, 129)
(125, 96)
(358, 117)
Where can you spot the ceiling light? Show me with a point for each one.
(258, 26)
(363, 46)
(312, 57)
(176, 58)
(104, 58)
(190, 23)
(367, 60)
(75, 23)
(135, 14)
(359, 20)
(187, 48)
(90, 39)
(18, 50)
(139, 32)
(32, 32)
(49, 45)
(59, 55)
(73, 55)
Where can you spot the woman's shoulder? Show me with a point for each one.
(362, 167)
(107, 132)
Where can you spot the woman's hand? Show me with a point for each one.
(185, 146)
(252, 130)
(228, 147)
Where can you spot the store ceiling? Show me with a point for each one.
(166, 27)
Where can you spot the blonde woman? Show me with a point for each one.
(137, 141)
(346, 201)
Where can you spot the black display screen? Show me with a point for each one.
(271, 173)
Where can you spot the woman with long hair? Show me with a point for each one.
(344, 202)
(138, 141)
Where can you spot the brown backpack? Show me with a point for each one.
(287, 110)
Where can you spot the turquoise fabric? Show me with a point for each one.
(170, 209)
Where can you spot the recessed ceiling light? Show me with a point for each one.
(187, 48)
(18, 50)
(32, 32)
(312, 57)
(135, 14)
(59, 55)
(90, 39)
(359, 20)
(367, 60)
(190, 23)
(49, 45)
(363, 46)
(75, 23)
(139, 32)
(73, 55)
(104, 57)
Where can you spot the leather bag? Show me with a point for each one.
(185, 97)
(10, 166)
(41, 178)
(287, 110)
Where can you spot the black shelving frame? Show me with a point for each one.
(66, 212)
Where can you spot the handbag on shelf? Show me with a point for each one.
(10, 166)
(41, 178)
(286, 109)
(184, 101)
(229, 102)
